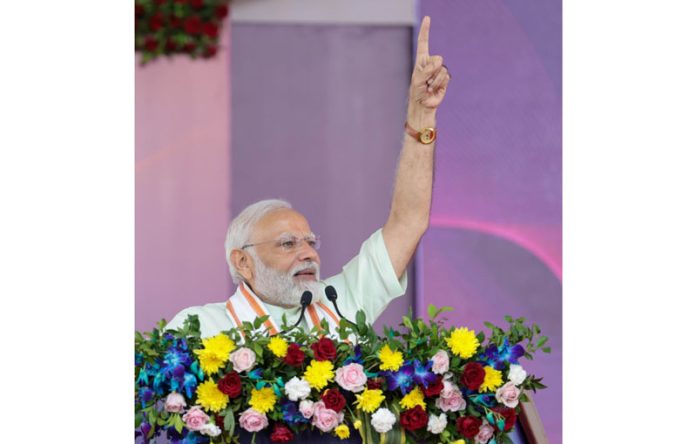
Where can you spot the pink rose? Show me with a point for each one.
(440, 362)
(450, 399)
(175, 403)
(508, 395)
(243, 359)
(485, 433)
(351, 377)
(307, 408)
(253, 421)
(325, 419)
(195, 419)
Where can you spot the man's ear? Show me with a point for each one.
(243, 263)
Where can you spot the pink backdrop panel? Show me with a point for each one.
(182, 162)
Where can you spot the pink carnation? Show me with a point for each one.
(195, 419)
(450, 399)
(351, 377)
(440, 362)
(253, 421)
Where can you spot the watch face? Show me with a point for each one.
(427, 135)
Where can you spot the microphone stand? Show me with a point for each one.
(305, 300)
(331, 295)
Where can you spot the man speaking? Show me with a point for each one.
(273, 255)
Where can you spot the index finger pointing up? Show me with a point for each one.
(422, 49)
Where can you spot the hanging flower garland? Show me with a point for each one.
(170, 27)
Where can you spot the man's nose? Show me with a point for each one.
(307, 252)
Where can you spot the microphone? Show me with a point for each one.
(305, 300)
(331, 295)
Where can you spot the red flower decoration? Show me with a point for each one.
(231, 384)
(281, 433)
(509, 414)
(468, 426)
(210, 29)
(414, 418)
(210, 51)
(151, 43)
(221, 11)
(435, 388)
(324, 349)
(156, 22)
(334, 400)
(375, 383)
(193, 25)
(473, 375)
(295, 356)
(198, 4)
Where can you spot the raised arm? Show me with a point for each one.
(410, 207)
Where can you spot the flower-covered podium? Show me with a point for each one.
(421, 382)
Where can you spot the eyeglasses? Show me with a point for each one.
(290, 244)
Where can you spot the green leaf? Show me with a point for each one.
(432, 311)
(178, 423)
(546, 349)
(230, 422)
(542, 341)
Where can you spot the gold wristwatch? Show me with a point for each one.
(425, 136)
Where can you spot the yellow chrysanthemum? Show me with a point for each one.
(369, 400)
(391, 359)
(278, 346)
(492, 380)
(459, 441)
(210, 397)
(263, 400)
(319, 374)
(357, 424)
(342, 431)
(463, 342)
(415, 397)
(215, 352)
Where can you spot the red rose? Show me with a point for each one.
(281, 433)
(472, 376)
(324, 350)
(197, 3)
(175, 22)
(210, 51)
(210, 29)
(509, 414)
(231, 384)
(156, 22)
(160, 2)
(171, 45)
(221, 11)
(193, 25)
(414, 418)
(190, 47)
(139, 10)
(151, 43)
(334, 400)
(220, 421)
(435, 388)
(375, 383)
(295, 356)
(468, 426)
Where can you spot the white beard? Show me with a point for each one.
(277, 288)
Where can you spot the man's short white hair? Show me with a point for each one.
(241, 227)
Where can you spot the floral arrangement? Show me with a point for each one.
(420, 383)
(169, 27)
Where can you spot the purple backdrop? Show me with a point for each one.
(317, 118)
(494, 246)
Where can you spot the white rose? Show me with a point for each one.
(383, 420)
(516, 374)
(210, 430)
(297, 389)
(436, 424)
